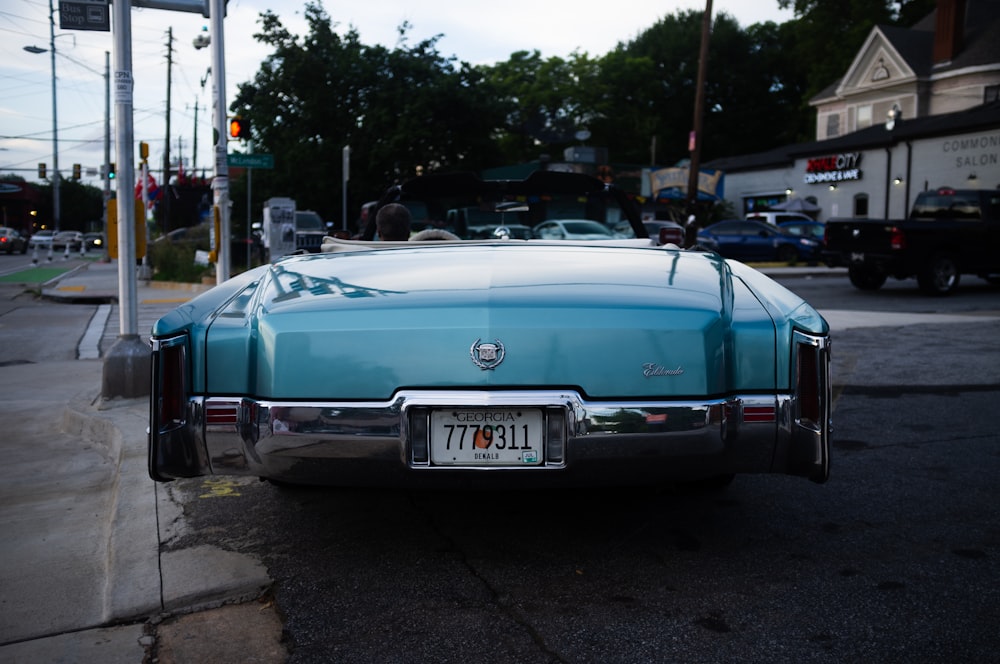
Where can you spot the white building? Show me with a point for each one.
(918, 108)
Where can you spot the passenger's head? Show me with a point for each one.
(392, 223)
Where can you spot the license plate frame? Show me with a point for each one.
(459, 438)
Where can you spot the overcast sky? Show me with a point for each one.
(476, 31)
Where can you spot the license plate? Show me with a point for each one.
(487, 437)
(857, 257)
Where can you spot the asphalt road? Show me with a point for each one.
(895, 559)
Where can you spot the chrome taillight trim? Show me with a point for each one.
(810, 409)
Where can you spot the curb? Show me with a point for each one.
(140, 580)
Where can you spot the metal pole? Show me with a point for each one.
(220, 183)
(127, 368)
(55, 122)
(165, 184)
(107, 150)
(125, 170)
(347, 176)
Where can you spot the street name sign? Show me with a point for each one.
(251, 160)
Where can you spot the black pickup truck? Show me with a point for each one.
(950, 232)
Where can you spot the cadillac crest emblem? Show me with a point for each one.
(487, 355)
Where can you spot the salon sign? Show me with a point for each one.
(833, 168)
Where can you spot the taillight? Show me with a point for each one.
(172, 385)
(221, 413)
(759, 414)
(809, 381)
(897, 240)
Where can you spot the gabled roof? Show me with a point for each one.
(915, 46)
(985, 116)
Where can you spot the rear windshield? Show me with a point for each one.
(931, 205)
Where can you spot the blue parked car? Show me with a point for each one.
(813, 229)
(755, 241)
(494, 362)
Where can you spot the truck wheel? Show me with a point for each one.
(865, 278)
(940, 276)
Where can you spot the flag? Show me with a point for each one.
(153, 190)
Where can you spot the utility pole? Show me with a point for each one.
(694, 144)
(194, 151)
(165, 186)
(55, 123)
(105, 174)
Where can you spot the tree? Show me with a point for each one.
(650, 84)
(402, 110)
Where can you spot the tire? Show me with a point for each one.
(865, 278)
(940, 276)
(787, 254)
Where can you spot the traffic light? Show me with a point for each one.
(76, 171)
(111, 171)
(41, 171)
(239, 127)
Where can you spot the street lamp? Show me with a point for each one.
(55, 119)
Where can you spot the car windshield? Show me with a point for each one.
(472, 208)
(581, 227)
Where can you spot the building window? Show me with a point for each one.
(991, 94)
(864, 118)
(861, 205)
(832, 125)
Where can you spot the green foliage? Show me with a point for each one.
(174, 261)
(402, 111)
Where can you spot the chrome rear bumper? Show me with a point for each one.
(588, 443)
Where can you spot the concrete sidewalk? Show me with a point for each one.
(84, 578)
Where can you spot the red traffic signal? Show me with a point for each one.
(239, 127)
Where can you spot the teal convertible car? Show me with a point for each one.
(494, 362)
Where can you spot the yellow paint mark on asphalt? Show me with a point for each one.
(219, 488)
(76, 289)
